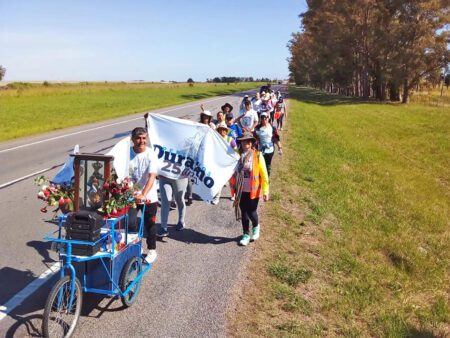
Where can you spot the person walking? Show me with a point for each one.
(143, 170)
(223, 131)
(280, 113)
(235, 129)
(169, 187)
(220, 118)
(248, 182)
(256, 103)
(206, 117)
(226, 108)
(273, 101)
(249, 118)
(267, 137)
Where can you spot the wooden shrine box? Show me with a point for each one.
(91, 172)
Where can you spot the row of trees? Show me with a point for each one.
(2, 72)
(233, 79)
(371, 48)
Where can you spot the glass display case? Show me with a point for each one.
(91, 171)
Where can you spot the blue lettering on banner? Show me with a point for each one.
(197, 171)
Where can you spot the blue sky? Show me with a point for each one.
(145, 40)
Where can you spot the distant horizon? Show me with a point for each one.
(117, 81)
(74, 41)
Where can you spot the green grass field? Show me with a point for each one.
(28, 109)
(356, 239)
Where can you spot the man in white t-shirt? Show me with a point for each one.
(249, 119)
(143, 169)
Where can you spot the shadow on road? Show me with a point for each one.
(28, 326)
(189, 236)
(43, 248)
(12, 281)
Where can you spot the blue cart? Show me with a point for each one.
(110, 271)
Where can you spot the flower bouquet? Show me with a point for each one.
(55, 195)
(118, 196)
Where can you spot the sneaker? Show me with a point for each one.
(151, 256)
(173, 205)
(162, 233)
(180, 226)
(245, 240)
(255, 235)
(215, 201)
(232, 198)
(189, 201)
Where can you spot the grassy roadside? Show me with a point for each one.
(31, 108)
(356, 240)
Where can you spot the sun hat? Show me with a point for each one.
(247, 136)
(229, 116)
(222, 125)
(206, 113)
(226, 105)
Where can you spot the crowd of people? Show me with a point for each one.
(253, 133)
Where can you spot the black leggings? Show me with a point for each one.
(149, 222)
(268, 160)
(248, 211)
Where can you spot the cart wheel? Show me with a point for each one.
(60, 320)
(130, 272)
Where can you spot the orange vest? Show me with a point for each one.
(255, 178)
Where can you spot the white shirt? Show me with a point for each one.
(141, 166)
(248, 119)
(257, 104)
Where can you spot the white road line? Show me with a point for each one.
(27, 291)
(27, 176)
(100, 127)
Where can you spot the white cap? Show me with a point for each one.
(206, 112)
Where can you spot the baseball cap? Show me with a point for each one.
(229, 116)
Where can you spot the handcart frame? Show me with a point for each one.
(107, 272)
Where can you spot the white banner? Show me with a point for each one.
(190, 149)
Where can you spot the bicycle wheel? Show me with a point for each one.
(129, 273)
(60, 318)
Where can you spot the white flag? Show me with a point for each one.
(121, 153)
(190, 149)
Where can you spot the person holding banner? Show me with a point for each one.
(247, 183)
(143, 169)
(206, 117)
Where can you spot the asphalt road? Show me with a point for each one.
(184, 295)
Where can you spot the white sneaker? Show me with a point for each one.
(245, 240)
(151, 256)
(232, 198)
(255, 234)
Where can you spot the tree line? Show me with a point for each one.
(233, 79)
(371, 48)
(2, 72)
